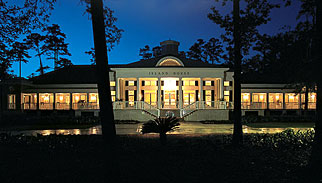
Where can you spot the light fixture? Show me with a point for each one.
(61, 98)
(277, 97)
(261, 97)
(245, 97)
(77, 98)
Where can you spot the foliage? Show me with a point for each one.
(162, 126)
(17, 20)
(254, 14)
(35, 41)
(145, 53)
(113, 34)
(55, 46)
(211, 52)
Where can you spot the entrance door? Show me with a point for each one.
(170, 99)
(188, 97)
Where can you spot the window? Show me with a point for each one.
(259, 97)
(29, 101)
(226, 93)
(170, 62)
(79, 100)
(46, 101)
(12, 101)
(208, 83)
(245, 97)
(190, 83)
(226, 83)
(112, 83)
(62, 101)
(131, 83)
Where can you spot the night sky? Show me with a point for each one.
(145, 22)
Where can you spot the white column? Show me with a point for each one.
(117, 91)
(138, 89)
(201, 93)
(180, 93)
(159, 93)
(221, 89)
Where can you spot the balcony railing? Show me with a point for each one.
(45, 106)
(11, 106)
(292, 105)
(275, 105)
(29, 106)
(62, 106)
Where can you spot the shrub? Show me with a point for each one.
(162, 126)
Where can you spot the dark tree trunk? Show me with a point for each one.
(40, 62)
(238, 133)
(316, 160)
(103, 81)
(111, 171)
(306, 104)
(163, 138)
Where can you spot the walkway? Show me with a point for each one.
(186, 128)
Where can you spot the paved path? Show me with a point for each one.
(186, 128)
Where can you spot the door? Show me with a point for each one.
(170, 99)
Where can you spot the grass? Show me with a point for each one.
(281, 125)
(141, 158)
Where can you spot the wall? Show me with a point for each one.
(208, 114)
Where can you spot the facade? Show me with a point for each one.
(168, 82)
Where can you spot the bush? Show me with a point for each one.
(162, 126)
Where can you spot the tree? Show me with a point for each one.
(316, 162)
(104, 90)
(210, 52)
(241, 32)
(145, 53)
(34, 40)
(19, 54)
(113, 34)
(55, 46)
(16, 20)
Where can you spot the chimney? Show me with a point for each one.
(169, 47)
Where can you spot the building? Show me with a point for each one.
(143, 90)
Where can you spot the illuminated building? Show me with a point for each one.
(142, 90)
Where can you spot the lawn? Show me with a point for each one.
(141, 158)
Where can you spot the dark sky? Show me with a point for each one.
(145, 22)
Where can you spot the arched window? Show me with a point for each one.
(169, 62)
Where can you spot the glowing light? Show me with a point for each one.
(245, 97)
(93, 98)
(76, 98)
(46, 98)
(312, 96)
(277, 97)
(261, 97)
(170, 84)
(291, 97)
(61, 98)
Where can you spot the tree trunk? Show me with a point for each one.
(238, 133)
(316, 160)
(306, 102)
(111, 171)
(163, 138)
(40, 62)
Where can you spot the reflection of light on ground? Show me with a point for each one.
(46, 132)
(76, 132)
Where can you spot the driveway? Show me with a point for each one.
(186, 128)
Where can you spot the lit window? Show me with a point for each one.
(192, 83)
(112, 92)
(147, 83)
(131, 83)
(170, 62)
(226, 98)
(245, 97)
(153, 83)
(131, 92)
(226, 92)
(259, 97)
(226, 83)
(12, 101)
(112, 83)
(208, 83)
